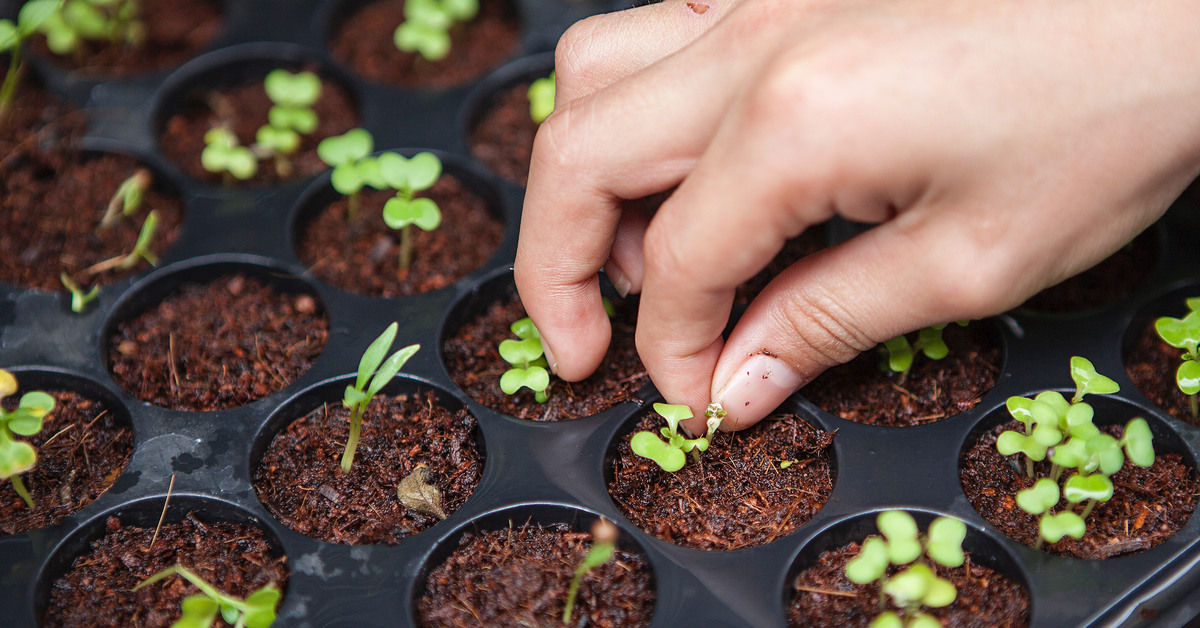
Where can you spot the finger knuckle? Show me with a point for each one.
(577, 54)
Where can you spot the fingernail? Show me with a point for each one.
(618, 279)
(757, 388)
(549, 357)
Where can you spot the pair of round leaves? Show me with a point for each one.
(525, 355)
(943, 545)
(31, 17)
(1044, 494)
(26, 420)
(408, 176)
(348, 155)
(669, 454)
(1184, 334)
(427, 23)
(222, 153)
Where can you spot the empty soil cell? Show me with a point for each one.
(363, 255)
(1148, 506)
(364, 43)
(750, 488)
(301, 483)
(174, 31)
(1151, 364)
(824, 597)
(519, 576)
(473, 359)
(1109, 281)
(243, 109)
(217, 345)
(503, 137)
(862, 391)
(97, 588)
(82, 448)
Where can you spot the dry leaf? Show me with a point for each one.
(417, 493)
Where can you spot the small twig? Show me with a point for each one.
(825, 591)
(162, 516)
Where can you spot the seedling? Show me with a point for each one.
(17, 457)
(899, 353)
(353, 167)
(128, 198)
(373, 374)
(79, 298)
(201, 610)
(12, 35)
(604, 546)
(671, 454)
(223, 155)
(427, 23)
(1184, 333)
(405, 210)
(76, 22)
(541, 98)
(141, 249)
(529, 367)
(917, 587)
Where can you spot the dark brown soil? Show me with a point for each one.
(737, 495)
(1151, 364)
(807, 243)
(96, 591)
(217, 345)
(1148, 506)
(244, 109)
(474, 362)
(503, 137)
(824, 597)
(301, 483)
(363, 42)
(520, 577)
(363, 256)
(935, 389)
(176, 30)
(82, 448)
(1107, 282)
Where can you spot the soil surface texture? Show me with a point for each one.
(750, 488)
(301, 483)
(363, 42)
(243, 109)
(824, 597)
(175, 30)
(363, 255)
(96, 590)
(1111, 280)
(217, 345)
(81, 449)
(861, 391)
(473, 359)
(503, 137)
(1148, 506)
(1151, 364)
(519, 576)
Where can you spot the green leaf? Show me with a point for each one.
(280, 140)
(541, 98)
(87, 21)
(10, 38)
(931, 343)
(1055, 400)
(910, 586)
(674, 413)
(373, 356)
(1081, 487)
(199, 611)
(410, 175)
(8, 384)
(287, 88)
(647, 445)
(390, 367)
(354, 397)
(298, 117)
(1188, 377)
(524, 328)
(900, 354)
(60, 37)
(1018, 407)
(427, 40)
(535, 378)
(33, 14)
(429, 12)
(229, 612)
(461, 10)
(941, 593)
(870, 562)
(923, 620)
(260, 607)
(348, 178)
(1105, 453)
(900, 530)
(1138, 442)
(1039, 498)
(422, 212)
(1053, 528)
(1175, 332)
(346, 148)
(1078, 420)
(1072, 454)
(521, 352)
(15, 457)
(1088, 381)
(943, 543)
(887, 619)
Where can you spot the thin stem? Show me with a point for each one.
(19, 486)
(1029, 467)
(352, 442)
(406, 247)
(10, 81)
(352, 208)
(1087, 510)
(571, 593)
(1195, 403)
(1055, 471)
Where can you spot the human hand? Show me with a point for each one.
(1002, 146)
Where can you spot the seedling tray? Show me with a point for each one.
(540, 471)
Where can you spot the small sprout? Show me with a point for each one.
(141, 250)
(1087, 380)
(416, 492)
(670, 455)
(899, 353)
(604, 546)
(427, 23)
(290, 116)
(541, 98)
(79, 299)
(358, 396)
(407, 177)
(201, 610)
(76, 22)
(128, 197)
(17, 457)
(353, 168)
(1184, 333)
(1039, 498)
(29, 20)
(1053, 528)
(223, 155)
(527, 357)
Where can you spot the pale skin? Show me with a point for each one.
(1002, 147)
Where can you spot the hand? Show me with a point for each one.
(1003, 147)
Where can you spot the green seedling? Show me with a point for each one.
(128, 198)
(899, 352)
(17, 457)
(405, 209)
(12, 35)
(1184, 333)
(541, 98)
(917, 587)
(201, 610)
(527, 357)
(80, 299)
(671, 454)
(75, 23)
(291, 115)
(223, 155)
(373, 374)
(604, 547)
(427, 23)
(353, 167)
(141, 249)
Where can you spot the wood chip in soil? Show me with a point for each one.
(1148, 506)
(301, 483)
(473, 359)
(1109, 281)
(1151, 364)
(503, 137)
(97, 588)
(217, 345)
(519, 576)
(737, 495)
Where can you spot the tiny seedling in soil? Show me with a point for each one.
(201, 610)
(899, 352)
(604, 546)
(1184, 333)
(128, 198)
(671, 454)
(141, 250)
(917, 587)
(527, 357)
(407, 176)
(353, 167)
(1062, 431)
(427, 23)
(75, 23)
(373, 374)
(17, 457)
(224, 156)
(541, 98)
(12, 35)
(290, 116)
(80, 298)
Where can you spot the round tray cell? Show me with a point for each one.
(865, 391)
(514, 566)
(83, 446)
(419, 458)
(88, 579)
(355, 250)
(749, 488)
(991, 587)
(1151, 363)
(1106, 283)
(470, 350)
(499, 128)
(210, 336)
(226, 89)
(1147, 507)
(361, 37)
